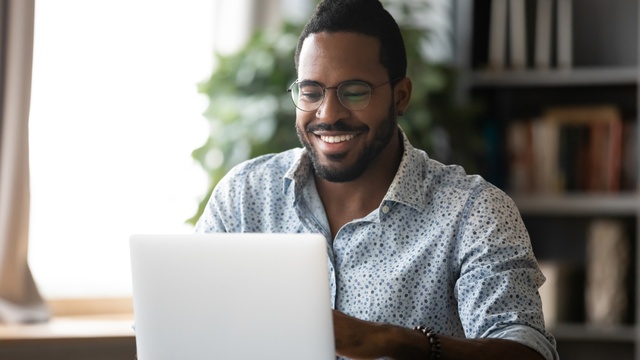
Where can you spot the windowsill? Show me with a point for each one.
(78, 330)
(88, 306)
(77, 319)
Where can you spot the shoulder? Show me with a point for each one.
(264, 168)
(437, 177)
(452, 184)
(246, 189)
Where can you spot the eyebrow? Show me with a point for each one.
(309, 81)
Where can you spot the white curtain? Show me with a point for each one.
(20, 300)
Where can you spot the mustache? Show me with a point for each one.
(337, 126)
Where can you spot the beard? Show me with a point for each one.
(365, 158)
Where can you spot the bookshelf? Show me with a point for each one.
(555, 78)
(603, 69)
(621, 204)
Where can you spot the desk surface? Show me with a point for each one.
(72, 327)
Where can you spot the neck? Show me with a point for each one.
(350, 200)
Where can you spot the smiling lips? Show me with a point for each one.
(336, 139)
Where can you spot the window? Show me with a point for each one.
(115, 114)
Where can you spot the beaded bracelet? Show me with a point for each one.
(434, 341)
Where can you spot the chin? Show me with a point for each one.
(337, 173)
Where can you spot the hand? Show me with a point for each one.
(355, 338)
(359, 339)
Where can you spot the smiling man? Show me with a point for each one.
(426, 262)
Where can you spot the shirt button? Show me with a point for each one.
(385, 209)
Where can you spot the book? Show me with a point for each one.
(570, 149)
(564, 32)
(574, 157)
(545, 163)
(498, 34)
(613, 149)
(520, 156)
(517, 34)
(608, 253)
(543, 31)
(562, 293)
(629, 170)
(597, 151)
(598, 139)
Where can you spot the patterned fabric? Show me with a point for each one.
(444, 249)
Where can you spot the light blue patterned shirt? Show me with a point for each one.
(444, 249)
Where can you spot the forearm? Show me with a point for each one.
(408, 344)
(358, 339)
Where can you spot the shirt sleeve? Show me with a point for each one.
(497, 290)
(534, 339)
(219, 213)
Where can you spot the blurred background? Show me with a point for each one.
(138, 108)
(123, 93)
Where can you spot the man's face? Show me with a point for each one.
(344, 143)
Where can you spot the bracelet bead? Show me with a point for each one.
(434, 342)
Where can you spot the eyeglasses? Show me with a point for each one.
(353, 94)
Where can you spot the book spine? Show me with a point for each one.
(517, 34)
(565, 34)
(542, 50)
(497, 34)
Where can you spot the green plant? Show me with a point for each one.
(250, 113)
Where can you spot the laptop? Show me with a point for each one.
(231, 296)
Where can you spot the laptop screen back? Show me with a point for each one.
(231, 296)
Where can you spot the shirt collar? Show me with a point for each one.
(407, 186)
(297, 175)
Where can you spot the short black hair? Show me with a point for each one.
(367, 17)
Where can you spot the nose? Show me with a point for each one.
(331, 110)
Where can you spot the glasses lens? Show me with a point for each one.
(307, 96)
(354, 95)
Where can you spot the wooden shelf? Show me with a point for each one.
(627, 203)
(555, 77)
(591, 333)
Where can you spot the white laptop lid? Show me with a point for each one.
(231, 296)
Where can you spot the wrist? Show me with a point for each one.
(433, 339)
(403, 343)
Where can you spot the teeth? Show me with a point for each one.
(336, 139)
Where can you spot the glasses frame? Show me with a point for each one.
(336, 88)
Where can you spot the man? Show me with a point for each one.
(412, 242)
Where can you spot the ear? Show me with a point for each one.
(402, 94)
